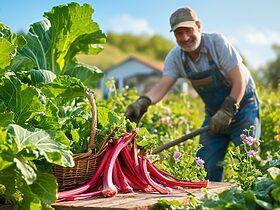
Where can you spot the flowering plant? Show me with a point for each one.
(241, 160)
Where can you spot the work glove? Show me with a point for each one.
(223, 117)
(135, 111)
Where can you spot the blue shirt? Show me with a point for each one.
(222, 52)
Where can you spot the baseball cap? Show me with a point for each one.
(183, 17)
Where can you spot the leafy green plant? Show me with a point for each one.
(43, 99)
(241, 161)
(23, 183)
(263, 195)
(270, 121)
(52, 44)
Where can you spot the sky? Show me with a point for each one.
(252, 26)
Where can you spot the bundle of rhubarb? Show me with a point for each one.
(124, 169)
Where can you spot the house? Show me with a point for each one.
(134, 72)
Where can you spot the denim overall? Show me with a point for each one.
(213, 88)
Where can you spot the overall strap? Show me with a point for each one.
(187, 69)
(214, 66)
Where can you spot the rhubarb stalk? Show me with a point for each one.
(109, 189)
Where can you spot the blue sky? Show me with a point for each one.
(251, 25)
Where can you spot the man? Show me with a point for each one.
(217, 73)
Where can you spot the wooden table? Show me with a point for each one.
(138, 200)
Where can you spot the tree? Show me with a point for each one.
(271, 74)
(155, 47)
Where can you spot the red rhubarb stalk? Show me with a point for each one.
(161, 189)
(89, 184)
(128, 161)
(109, 189)
(164, 172)
(116, 179)
(125, 187)
(135, 182)
(132, 164)
(158, 175)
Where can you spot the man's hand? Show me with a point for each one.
(223, 117)
(135, 111)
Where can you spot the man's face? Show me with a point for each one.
(188, 38)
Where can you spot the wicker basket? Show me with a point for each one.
(85, 163)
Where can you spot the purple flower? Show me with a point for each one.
(199, 161)
(251, 153)
(166, 120)
(176, 155)
(243, 137)
(249, 140)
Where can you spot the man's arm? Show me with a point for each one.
(223, 117)
(136, 110)
(159, 90)
(238, 83)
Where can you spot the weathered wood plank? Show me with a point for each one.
(137, 200)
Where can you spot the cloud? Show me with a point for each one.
(264, 37)
(255, 44)
(127, 23)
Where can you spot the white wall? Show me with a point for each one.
(123, 71)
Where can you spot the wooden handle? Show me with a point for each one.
(181, 139)
(92, 140)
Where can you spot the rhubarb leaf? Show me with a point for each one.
(39, 76)
(89, 75)
(45, 187)
(53, 151)
(9, 42)
(106, 116)
(6, 49)
(6, 118)
(54, 43)
(73, 31)
(21, 99)
(29, 174)
(63, 89)
(37, 48)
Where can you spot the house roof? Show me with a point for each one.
(155, 65)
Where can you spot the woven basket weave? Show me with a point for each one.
(85, 163)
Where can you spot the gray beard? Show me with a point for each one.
(194, 46)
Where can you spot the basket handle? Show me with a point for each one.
(92, 139)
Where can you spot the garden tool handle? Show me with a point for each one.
(181, 139)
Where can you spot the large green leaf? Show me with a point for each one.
(6, 49)
(39, 76)
(64, 89)
(21, 63)
(45, 187)
(48, 120)
(9, 42)
(53, 44)
(53, 151)
(9, 177)
(27, 171)
(19, 98)
(6, 118)
(89, 75)
(73, 31)
(106, 116)
(37, 48)
(17, 40)
(6, 156)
